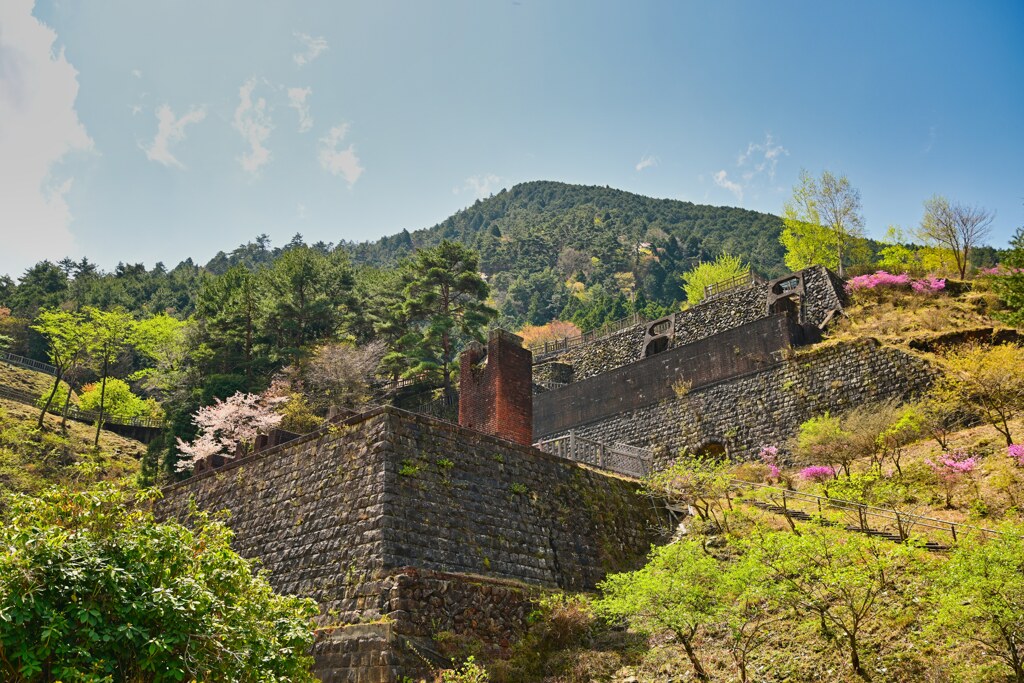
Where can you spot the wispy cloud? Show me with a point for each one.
(297, 100)
(38, 87)
(480, 186)
(933, 132)
(314, 47)
(336, 160)
(252, 121)
(170, 131)
(137, 73)
(722, 180)
(762, 156)
(646, 162)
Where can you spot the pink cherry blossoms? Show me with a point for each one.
(1016, 451)
(240, 418)
(770, 456)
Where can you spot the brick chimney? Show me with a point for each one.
(495, 388)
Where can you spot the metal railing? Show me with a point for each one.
(542, 349)
(88, 416)
(15, 359)
(621, 458)
(444, 408)
(861, 515)
(744, 280)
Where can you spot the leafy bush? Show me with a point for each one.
(93, 589)
(118, 400)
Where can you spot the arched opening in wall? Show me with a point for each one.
(787, 285)
(789, 305)
(656, 346)
(659, 327)
(712, 449)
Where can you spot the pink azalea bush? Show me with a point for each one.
(884, 280)
(1001, 271)
(818, 473)
(879, 279)
(769, 455)
(929, 285)
(1016, 451)
(952, 469)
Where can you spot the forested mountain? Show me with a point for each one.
(541, 241)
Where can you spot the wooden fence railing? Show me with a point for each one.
(542, 349)
(617, 457)
(862, 517)
(15, 359)
(88, 416)
(732, 283)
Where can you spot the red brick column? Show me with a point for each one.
(495, 388)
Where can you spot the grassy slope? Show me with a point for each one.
(895, 649)
(31, 459)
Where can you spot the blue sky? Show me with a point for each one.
(154, 131)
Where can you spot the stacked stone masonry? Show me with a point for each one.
(395, 515)
(821, 292)
(766, 407)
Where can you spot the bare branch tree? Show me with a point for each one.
(955, 226)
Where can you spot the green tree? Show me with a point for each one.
(93, 589)
(725, 267)
(842, 578)
(956, 227)
(113, 332)
(231, 309)
(1010, 286)
(823, 222)
(445, 307)
(679, 590)
(980, 596)
(68, 336)
(988, 380)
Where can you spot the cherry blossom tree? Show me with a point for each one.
(239, 418)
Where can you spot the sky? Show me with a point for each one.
(144, 131)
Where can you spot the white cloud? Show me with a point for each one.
(170, 131)
(722, 180)
(646, 162)
(136, 73)
(252, 121)
(762, 157)
(39, 128)
(337, 161)
(480, 186)
(297, 100)
(314, 48)
(136, 109)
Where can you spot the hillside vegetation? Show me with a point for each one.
(32, 459)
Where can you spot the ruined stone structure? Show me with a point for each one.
(403, 526)
(730, 374)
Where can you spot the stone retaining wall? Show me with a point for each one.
(767, 407)
(402, 517)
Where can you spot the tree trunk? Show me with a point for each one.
(855, 658)
(64, 411)
(103, 396)
(698, 669)
(49, 399)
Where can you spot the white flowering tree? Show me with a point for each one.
(239, 418)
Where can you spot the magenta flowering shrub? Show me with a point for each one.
(818, 473)
(952, 469)
(1001, 271)
(1016, 451)
(876, 280)
(929, 285)
(884, 280)
(769, 455)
